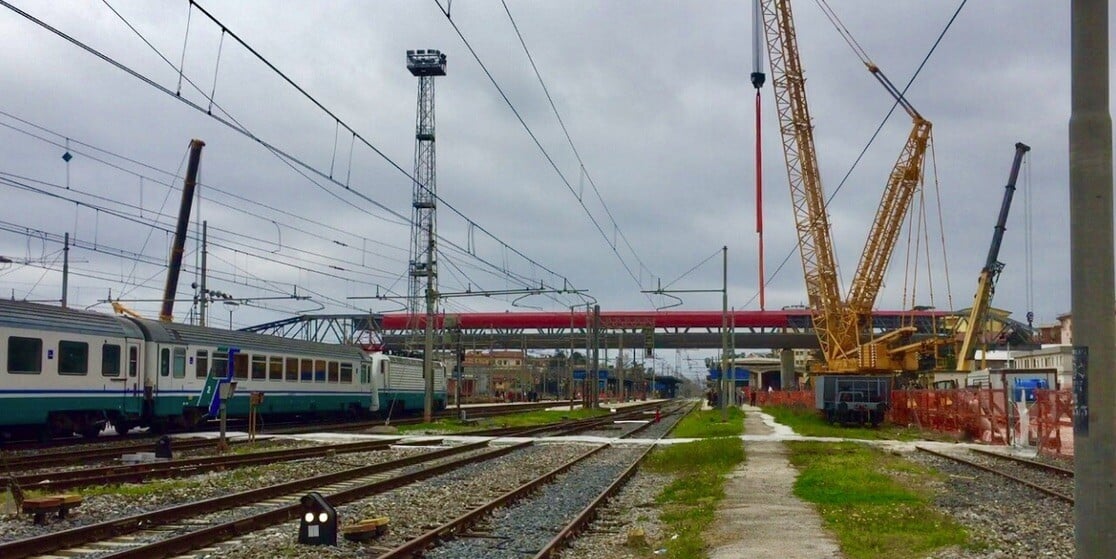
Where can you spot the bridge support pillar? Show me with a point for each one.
(787, 378)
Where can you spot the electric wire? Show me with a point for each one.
(231, 123)
(535, 139)
(569, 139)
(872, 139)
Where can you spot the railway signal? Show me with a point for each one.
(319, 521)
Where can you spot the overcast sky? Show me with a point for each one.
(655, 96)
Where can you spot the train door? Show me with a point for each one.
(369, 382)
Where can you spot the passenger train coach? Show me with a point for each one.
(68, 371)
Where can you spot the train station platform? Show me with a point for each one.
(760, 517)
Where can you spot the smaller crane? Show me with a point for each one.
(986, 286)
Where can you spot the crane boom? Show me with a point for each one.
(982, 300)
(843, 325)
(807, 197)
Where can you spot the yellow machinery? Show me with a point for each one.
(843, 325)
(986, 286)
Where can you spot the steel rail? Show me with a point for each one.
(1050, 492)
(136, 473)
(1033, 463)
(80, 455)
(415, 546)
(47, 543)
(220, 532)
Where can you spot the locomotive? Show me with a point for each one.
(66, 371)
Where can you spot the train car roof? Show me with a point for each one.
(20, 314)
(171, 332)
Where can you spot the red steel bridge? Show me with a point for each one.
(557, 330)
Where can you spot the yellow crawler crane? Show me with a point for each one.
(843, 325)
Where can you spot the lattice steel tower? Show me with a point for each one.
(425, 65)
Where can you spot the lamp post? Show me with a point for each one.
(231, 305)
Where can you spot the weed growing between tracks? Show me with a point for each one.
(877, 504)
(707, 424)
(525, 419)
(690, 501)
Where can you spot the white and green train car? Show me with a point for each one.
(74, 371)
(66, 371)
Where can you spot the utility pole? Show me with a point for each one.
(724, 325)
(425, 65)
(65, 268)
(594, 386)
(204, 302)
(1092, 285)
(724, 334)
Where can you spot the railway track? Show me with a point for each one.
(1050, 480)
(179, 529)
(541, 515)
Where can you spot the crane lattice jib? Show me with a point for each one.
(904, 182)
(807, 197)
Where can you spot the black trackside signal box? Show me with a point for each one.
(318, 525)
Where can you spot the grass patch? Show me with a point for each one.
(690, 501)
(525, 419)
(875, 503)
(810, 423)
(147, 488)
(700, 424)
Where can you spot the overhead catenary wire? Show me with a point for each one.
(581, 164)
(295, 163)
(535, 139)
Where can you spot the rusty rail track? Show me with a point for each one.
(47, 543)
(1035, 486)
(136, 473)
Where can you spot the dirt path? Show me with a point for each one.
(760, 518)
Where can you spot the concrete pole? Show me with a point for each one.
(592, 380)
(65, 268)
(787, 377)
(428, 344)
(204, 301)
(1093, 290)
(724, 334)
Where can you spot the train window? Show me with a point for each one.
(333, 371)
(25, 355)
(73, 358)
(220, 366)
(201, 364)
(306, 370)
(319, 370)
(259, 367)
(133, 360)
(110, 360)
(292, 369)
(164, 362)
(179, 362)
(240, 366)
(275, 368)
(347, 373)
(384, 367)
(365, 374)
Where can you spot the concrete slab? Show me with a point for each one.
(760, 518)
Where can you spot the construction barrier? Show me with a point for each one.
(1043, 421)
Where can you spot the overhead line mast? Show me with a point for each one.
(425, 65)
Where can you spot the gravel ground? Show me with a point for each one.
(632, 509)
(413, 509)
(130, 499)
(524, 528)
(1012, 520)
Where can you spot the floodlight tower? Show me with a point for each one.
(425, 65)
